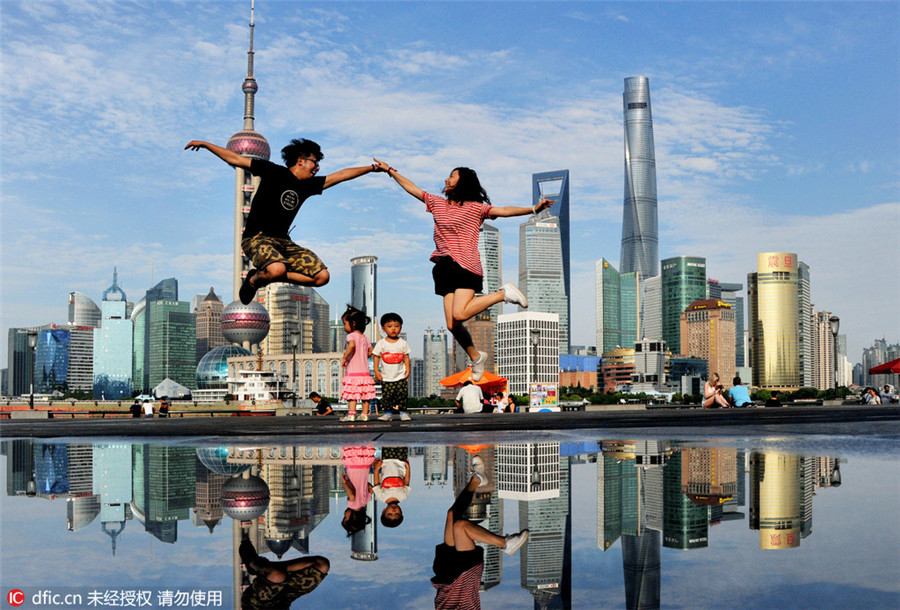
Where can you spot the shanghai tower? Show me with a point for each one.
(640, 226)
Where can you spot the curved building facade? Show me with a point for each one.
(640, 225)
(363, 275)
(774, 322)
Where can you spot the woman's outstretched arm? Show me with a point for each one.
(408, 185)
(512, 210)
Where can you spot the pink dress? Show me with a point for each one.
(357, 462)
(358, 383)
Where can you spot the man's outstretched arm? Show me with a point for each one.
(228, 156)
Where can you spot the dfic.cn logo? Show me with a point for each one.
(15, 597)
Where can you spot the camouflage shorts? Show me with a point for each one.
(394, 395)
(264, 594)
(263, 250)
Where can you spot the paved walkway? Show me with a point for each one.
(883, 421)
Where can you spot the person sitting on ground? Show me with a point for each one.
(739, 395)
(458, 560)
(773, 400)
(322, 406)
(279, 583)
(871, 397)
(712, 393)
(469, 399)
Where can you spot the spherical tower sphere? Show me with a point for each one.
(245, 498)
(245, 323)
(212, 370)
(249, 143)
(215, 459)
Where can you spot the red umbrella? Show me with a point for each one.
(887, 368)
(466, 375)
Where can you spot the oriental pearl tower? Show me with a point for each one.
(245, 324)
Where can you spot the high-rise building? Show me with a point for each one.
(640, 225)
(165, 339)
(649, 366)
(209, 324)
(823, 352)
(805, 317)
(250, 143)
(363, 291)
(113, 344)
(297, 309)
(417, 377)
(490, 252)
(541, 272)
(729, 294)
(683, 282)
(83, 311)
(528, 349)
(555, 186)
(172, 344)
(685, 524)
(651, 308)
(434, 352)
(773, 293)
(618, 307)
(707, 332)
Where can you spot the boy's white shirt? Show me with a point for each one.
(391, 372)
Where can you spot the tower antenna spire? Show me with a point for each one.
(250, 88)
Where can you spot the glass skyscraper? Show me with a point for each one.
(541, 275)
(555, 185)
(489, 249)
(363, 291)
(113, 353)
(640, 224)
(618, 305)
(683, 282)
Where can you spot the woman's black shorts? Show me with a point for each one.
(449, 275)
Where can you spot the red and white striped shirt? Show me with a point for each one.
(456, 230)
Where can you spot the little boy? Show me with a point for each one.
(392, 483)
(391, 362)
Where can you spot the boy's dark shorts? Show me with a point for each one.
(264, 594)
(263, 250)
(394, 395)
(449, 276)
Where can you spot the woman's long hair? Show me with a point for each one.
(468, 188)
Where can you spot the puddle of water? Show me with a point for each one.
(615, 523)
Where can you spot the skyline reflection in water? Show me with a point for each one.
(616, 523)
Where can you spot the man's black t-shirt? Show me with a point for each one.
(278, 198)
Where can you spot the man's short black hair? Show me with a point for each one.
(736, 381)
(313, 395)
(391, 317)
(300, 148)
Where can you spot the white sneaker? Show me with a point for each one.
(404, 416)
(478, 366)
(363, 418)
(513, 295)
(478, 471)
(349, 417)
(514, 541)
(385, 417)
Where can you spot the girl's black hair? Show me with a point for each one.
(468, 188)
(358, 320)
(356, 521)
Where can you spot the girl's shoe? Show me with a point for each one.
(515, 541)
(349, 417)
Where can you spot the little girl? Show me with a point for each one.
(358, 383)
(357, 463)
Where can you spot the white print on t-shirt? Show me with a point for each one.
(290, 200)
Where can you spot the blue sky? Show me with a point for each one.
(776, 128)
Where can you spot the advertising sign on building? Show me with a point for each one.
(544, 397)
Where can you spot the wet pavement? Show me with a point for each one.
(806, 420)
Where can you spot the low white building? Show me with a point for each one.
(527, 349)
